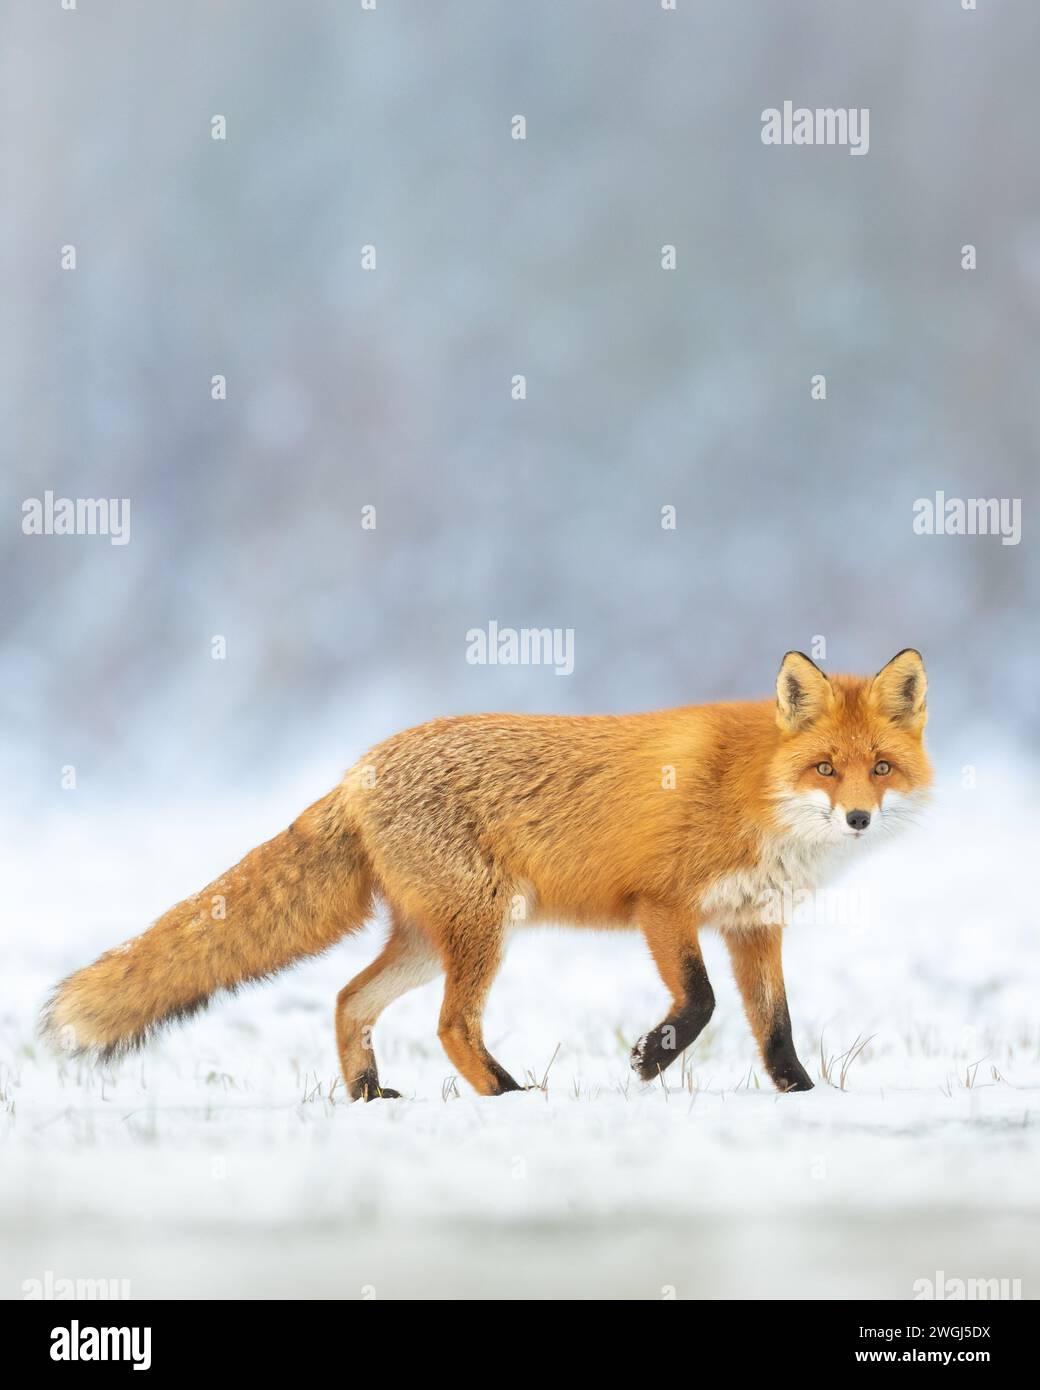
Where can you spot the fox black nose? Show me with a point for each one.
(859, 820)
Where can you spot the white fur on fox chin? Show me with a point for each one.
(818, 843)
(813, 820)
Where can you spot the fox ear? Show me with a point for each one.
(898, 691)
(803, 692)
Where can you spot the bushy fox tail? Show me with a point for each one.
(288, 898)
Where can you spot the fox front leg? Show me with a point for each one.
(672, 939)
(760, 977)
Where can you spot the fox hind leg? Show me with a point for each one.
(473, 954)
(407, 960)
(672, 938)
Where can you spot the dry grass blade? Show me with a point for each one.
(849, 1057)
(552, 1059)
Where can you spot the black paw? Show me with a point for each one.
(504, 1084)
(792, 1078)
(368, 1088)
(649, 1057)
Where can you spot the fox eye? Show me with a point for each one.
(825, 769)
(882, 769)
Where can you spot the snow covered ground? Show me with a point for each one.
(225, 1161)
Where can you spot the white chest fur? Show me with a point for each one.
(765, 893)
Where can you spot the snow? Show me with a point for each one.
(225, 1161)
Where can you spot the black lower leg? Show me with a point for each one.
(781, 1060)
(503, 1081)
(660, 1047)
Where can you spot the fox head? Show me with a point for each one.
(851, 761)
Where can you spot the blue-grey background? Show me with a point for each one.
(497, 257)
(221, 1161)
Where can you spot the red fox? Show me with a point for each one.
(469, 827)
